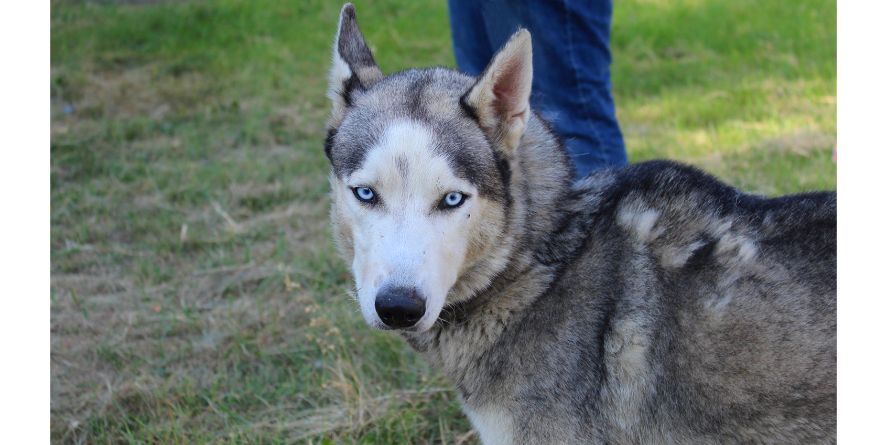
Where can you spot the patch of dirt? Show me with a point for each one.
(142, 91)
(802, 143)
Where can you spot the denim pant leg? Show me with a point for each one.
(571, 82)
(472, 46)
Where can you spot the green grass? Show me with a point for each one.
(196, 295)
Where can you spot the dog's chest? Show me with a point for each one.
(493, 423)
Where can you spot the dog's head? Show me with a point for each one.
(421, 166)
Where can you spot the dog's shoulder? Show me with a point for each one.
(680, 212)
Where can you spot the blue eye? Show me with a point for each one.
(452, 200)
(364, 194)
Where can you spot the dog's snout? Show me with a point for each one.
(399, 307)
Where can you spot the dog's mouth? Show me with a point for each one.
(381, 327)
(384, 327)
(415, 329)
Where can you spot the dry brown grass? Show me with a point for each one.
(196, 295)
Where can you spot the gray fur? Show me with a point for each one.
(430, 96)
(650, 304)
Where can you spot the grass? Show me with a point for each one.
(196, 295)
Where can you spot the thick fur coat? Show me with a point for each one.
(650, 304)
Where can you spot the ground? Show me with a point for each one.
(196, 295)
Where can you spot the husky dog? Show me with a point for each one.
(649, 304)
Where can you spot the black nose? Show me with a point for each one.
(399, 307)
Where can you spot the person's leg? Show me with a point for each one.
(571, 85)
(574, 91)
(470, 42)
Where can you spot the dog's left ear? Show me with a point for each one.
(500, 98)
(353, 67)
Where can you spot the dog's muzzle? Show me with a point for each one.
(399, 307)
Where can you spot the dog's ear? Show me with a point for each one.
(353, 67)
(500, 98)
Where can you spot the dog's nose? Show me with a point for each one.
(399, 307)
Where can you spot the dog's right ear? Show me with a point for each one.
(500, 98)
(353, 67)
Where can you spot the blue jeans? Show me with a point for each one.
(571, 86)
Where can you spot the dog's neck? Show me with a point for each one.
(548, 217)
